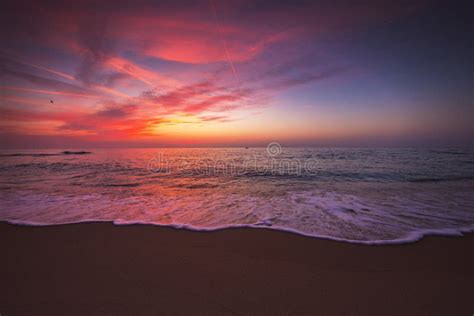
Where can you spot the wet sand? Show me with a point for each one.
(99, 268)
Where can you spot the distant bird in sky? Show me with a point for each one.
(51, 101)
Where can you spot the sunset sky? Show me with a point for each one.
(235, 73)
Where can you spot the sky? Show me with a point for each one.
(235, 73)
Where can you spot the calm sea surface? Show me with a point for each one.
(361, 195)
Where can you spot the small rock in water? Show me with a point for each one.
(266, 222)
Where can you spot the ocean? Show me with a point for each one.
(361, 195)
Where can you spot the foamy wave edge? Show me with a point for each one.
(411, 237)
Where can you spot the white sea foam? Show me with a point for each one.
(317, 214)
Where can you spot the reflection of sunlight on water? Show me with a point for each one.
(355, 194)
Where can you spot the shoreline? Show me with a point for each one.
(102, 268)
(411, 237)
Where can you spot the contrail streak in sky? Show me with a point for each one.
(229, 59)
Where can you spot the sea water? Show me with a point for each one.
(364, 195)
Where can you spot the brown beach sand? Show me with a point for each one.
(98, 268)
